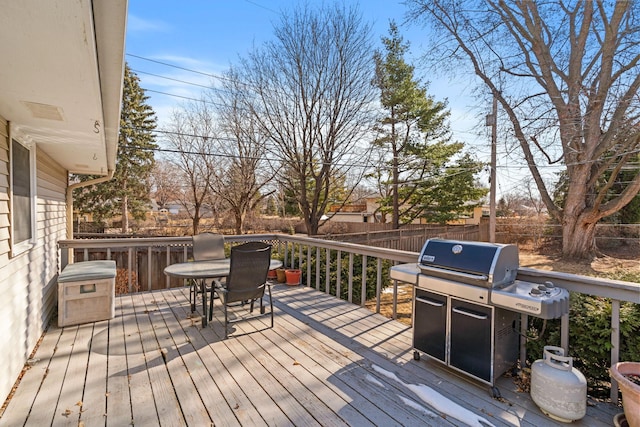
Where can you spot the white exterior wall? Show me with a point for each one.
(28, 281)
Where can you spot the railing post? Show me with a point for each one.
(149, 282)
(363, 290)
(378, 283)
(615, 344)
(317, 268)
(327, 271)
(394, 307)
(564, 333)
(286, 254)
(350, 293)
(129, 269)
(338, 272)
(309, 265)
(167, 279)
(299, 256)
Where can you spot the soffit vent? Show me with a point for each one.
(44, 111)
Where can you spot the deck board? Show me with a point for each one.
(233, 408)
(45, 406)
(143, 407)
(308, 371)
(23, 398)
(71, 393)
(167, 404)
(94, 399)
(326, 362)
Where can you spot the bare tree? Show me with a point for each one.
(243, 175)
(566, 74)
(165, 187)
(309, 92)
(191, 136)
(522, 202)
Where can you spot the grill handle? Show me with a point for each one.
(482, 277)
(473, 314)
(430, 301)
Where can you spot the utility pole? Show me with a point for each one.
(492, 120)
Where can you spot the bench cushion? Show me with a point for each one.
(88, 270)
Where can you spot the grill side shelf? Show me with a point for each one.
(407, 273)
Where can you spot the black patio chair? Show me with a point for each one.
(246, 281)
(206, 246)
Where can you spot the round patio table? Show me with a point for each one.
(203, 270)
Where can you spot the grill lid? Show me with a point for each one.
(478, 263)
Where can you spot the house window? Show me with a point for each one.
(22, 196)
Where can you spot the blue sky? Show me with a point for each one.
(209, 35)
(200, 38)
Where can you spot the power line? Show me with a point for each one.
(175, 80)
(261, 6)
(369, 164)
(214, 76)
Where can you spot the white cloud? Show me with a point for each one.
(137, 24)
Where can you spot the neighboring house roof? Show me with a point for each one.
(61, 78)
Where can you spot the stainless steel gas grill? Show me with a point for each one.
(467, 303)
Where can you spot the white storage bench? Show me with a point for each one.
(86, 292)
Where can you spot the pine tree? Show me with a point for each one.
(417, 177)
(128, 192)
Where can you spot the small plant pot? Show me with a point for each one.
(280, 275)
(293, 276)
(622, 372)
(272, 274)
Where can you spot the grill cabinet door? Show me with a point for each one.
(471, 330)
(430, 323)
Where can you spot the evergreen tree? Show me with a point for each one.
(128, 191)
(417, 176)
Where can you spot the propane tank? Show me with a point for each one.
(559, 389)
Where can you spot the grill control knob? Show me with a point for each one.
(535, 292)
(542, 288)
(549, 284)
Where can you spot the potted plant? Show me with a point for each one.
(293, 276)
(281, 275)
(627, 374)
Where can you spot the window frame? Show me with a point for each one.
(19, 247)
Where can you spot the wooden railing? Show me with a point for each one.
(328, 266)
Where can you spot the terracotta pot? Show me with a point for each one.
(630, 390)
(281, 275)
(293, 276)
(272, 274)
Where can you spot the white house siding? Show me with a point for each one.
(28, 280)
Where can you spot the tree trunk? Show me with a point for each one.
(196, 221)
(395, 218)
(239, 217)
(312, 226)
(125, 215)
(578, 237)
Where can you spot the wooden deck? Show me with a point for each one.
(326, 362)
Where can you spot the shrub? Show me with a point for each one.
(371, 272)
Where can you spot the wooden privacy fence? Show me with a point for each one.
(411, 237)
